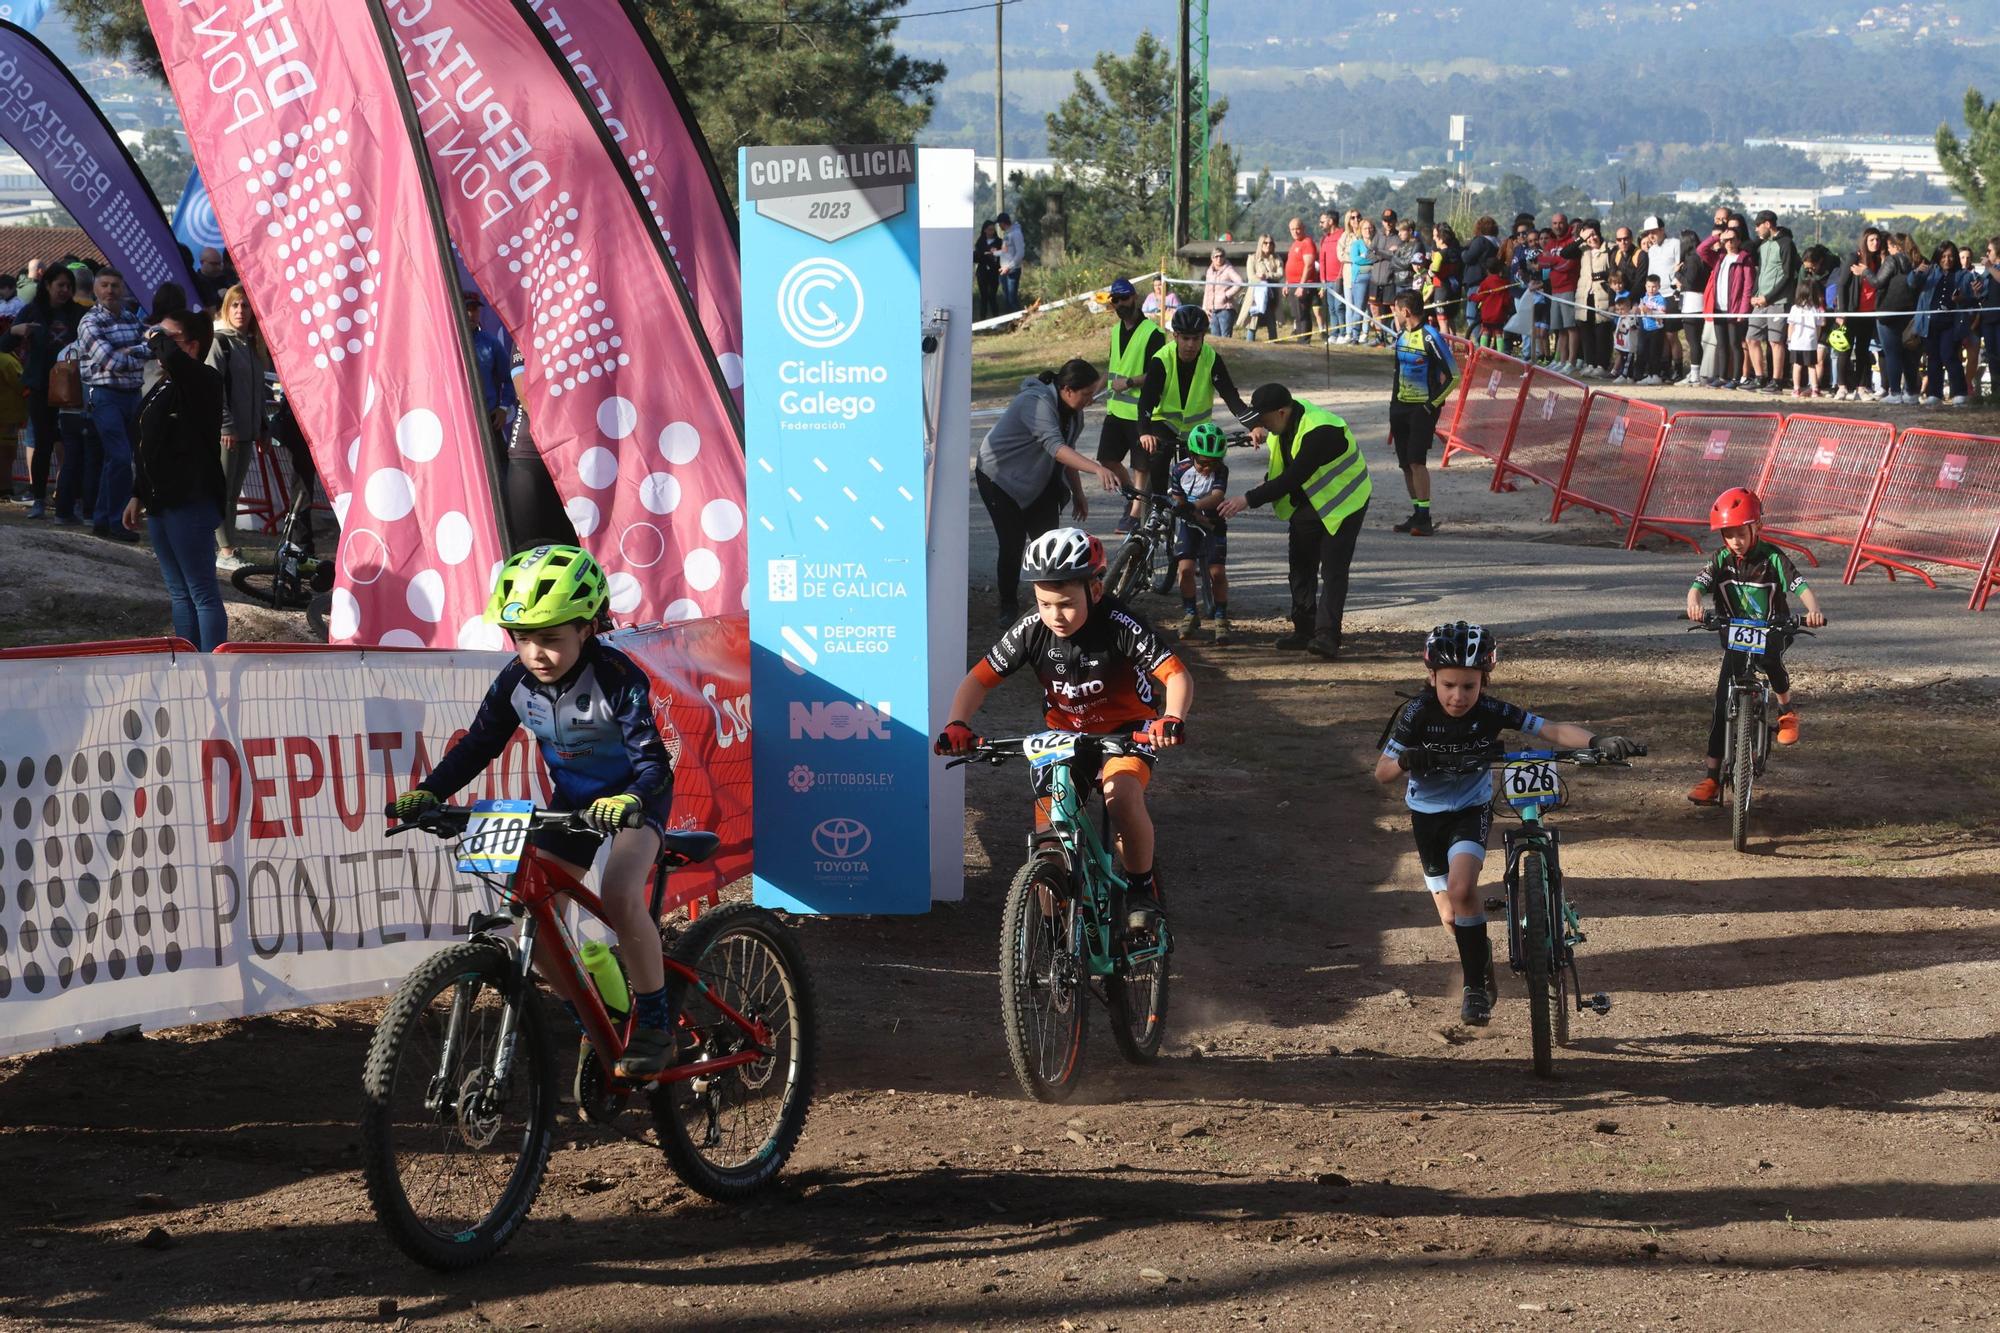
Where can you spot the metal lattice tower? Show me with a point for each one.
(1198, 109)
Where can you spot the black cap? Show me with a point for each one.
(1767, 216)
(1270, 398)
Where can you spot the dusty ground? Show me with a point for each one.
(1791, 1115)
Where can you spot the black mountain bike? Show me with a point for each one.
(1752, 717)
(297, 577)
(1543, 929)
(1144, 561)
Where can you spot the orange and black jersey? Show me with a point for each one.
(1099, 679)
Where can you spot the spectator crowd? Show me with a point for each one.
(1743, 308)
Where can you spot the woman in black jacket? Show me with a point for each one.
(1895, 303)
(46, 326)
(1856, 313)
(177, 474)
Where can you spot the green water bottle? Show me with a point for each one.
(608, 976)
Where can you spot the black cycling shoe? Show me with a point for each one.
(648, 1052)
(1475, 1008)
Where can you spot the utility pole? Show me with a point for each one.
(999, 111)
(1181, 133)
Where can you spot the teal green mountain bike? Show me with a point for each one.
(1067, 930)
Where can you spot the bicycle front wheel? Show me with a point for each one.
(271, 586)
(1138, 1001)
(1536, 943)
(1126, 575)
(728, 1135)
(1043, 1001)
(1748, 719)
(453, 1151)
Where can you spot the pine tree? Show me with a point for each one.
(1974, 164)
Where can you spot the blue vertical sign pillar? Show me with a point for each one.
(834, 430)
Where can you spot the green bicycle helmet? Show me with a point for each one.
(1206, 441)
(547, 586)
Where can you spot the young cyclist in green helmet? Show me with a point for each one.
(589, 708)
(1437, 742)
(1204, 478)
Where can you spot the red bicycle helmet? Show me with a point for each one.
(1733, 508)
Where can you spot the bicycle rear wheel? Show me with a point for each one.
(1535, 942)
(271, 586)
(1747, 722)
(1138, 1002)
(453, 1160)
(729, 1134)
(1043, 1001)
(1127, 573)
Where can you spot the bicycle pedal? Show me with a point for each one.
(1601, 1003)
(1496, 904)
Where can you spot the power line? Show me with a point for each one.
(886, 18)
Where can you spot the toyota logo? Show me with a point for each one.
(841, 839)
(819, 302)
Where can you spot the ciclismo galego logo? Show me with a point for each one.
(820, 304)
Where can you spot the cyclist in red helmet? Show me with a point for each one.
(1748, 579)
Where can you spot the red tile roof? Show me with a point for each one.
(20, 244)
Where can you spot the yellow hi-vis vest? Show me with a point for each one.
(1128, 361)
(1183, 409)
(1336, 490)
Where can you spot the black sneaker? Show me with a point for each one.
(1473, 1010)
(1293, 642)
(1420, 524)
(1409, 523)
(1321, 645)
(648, 1052)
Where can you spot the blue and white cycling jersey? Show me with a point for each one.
(1424, 722)
(595, 728)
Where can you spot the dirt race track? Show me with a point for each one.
(1790, 1118)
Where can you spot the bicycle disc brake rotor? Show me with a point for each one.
(478, 1118)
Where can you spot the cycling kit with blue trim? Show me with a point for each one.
(1451, 814)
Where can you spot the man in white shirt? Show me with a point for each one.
(1013, 249)
(1663, 257)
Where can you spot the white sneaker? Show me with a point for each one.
(1651, 379)
(1956, 400)
(1928, 401)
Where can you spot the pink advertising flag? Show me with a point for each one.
(295, 117)
(632, 91)
(621, 399)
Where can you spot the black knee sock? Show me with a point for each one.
(1473, 950)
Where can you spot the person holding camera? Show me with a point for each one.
(177, 480)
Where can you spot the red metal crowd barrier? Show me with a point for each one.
(101, 648)
(1702, 455)
(1482, 415)
(1938, 501)
(267, 492)
(1545, 425)
(1818, 477)
(1611, 457)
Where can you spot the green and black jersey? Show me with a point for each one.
(1753, 588)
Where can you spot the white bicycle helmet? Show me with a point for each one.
(1062, 555)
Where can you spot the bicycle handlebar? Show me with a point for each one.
(1472, 761)
(1000, 749)
(449, 821)
(1789, 625)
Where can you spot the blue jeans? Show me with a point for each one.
(184, 540)
(82, 466)
(1944, 348)
(115, 413)
(1220, 322)
(1899, 370)
(1354, 318)
(1010, 291)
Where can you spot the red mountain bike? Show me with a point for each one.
(461, 1083)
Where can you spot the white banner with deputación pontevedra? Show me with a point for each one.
(192, 836)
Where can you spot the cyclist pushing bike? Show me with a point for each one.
(589, 708)
(1097, 662)
(1442, 741)
(1748, 579)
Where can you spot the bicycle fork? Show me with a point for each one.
(1566, 927)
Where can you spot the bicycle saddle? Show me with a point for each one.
(690, 845)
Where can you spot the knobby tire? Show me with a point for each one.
(261, 582)
(731, 1138)
(1747, 722)
(1127, 573)
(1043, 998)
(399, 1134)
(1138, 1003)
(1535, 942)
